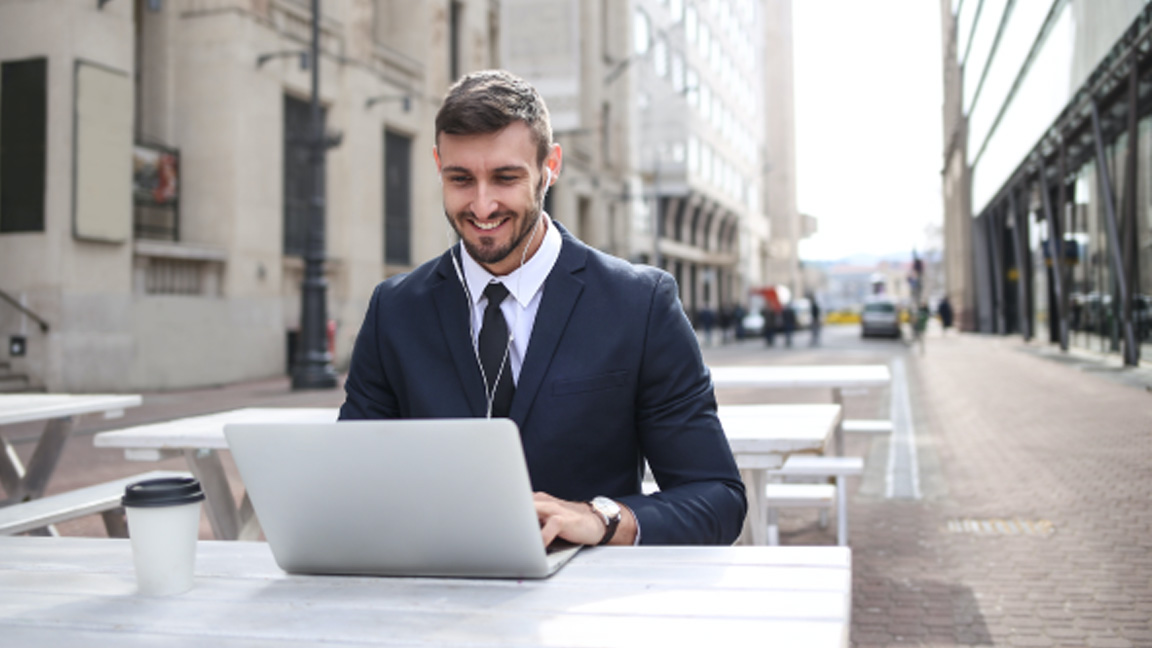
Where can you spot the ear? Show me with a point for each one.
(553, 163)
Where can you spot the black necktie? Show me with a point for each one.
(493, 348)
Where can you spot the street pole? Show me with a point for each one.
(313, 368)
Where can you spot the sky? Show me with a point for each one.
(868, 86)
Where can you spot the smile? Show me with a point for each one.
(488, 225)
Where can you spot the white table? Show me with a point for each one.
(59, 411)
(762, 437)
(834, 377)
(80, 592)
(199, 439)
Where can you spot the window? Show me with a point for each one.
(690, 23)
(397, 199)
(677, 72)
(641, 34)
(23, 140)
(660, 58)
(297, 170)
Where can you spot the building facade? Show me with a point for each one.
(1048, 134)
(155, 178)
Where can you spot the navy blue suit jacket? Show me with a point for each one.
(613, 375)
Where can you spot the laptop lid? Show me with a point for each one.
(422, 497)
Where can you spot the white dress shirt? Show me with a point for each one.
(525, 285)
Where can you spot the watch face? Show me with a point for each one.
(607, 507)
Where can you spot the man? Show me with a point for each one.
(606, 369)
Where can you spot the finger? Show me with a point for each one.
(551, 528)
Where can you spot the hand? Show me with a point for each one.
(577, 523)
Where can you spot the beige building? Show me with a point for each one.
(153, 172)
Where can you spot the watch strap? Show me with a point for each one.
(611, 522)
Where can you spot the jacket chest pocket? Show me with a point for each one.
(584, 385)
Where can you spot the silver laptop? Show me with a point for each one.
(430, 497)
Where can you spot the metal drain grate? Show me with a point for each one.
(1001, 526)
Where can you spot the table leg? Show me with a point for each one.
(47, 455)
(222, 514)
(755, 524)
(11, 471)
(249, 524)
(838, 398)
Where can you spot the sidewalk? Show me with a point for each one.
(1034, 525)
(1036, 511)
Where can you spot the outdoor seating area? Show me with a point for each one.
(798, 595)
(799, 476)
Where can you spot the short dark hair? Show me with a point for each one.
(490, 100)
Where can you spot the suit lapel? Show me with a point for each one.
(561, 292)
(452, 307)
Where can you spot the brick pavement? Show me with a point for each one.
(1011, 435)
(1003, 432)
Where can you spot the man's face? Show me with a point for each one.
(493, 193)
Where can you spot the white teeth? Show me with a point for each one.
(491, 225)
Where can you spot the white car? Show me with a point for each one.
(881, 316)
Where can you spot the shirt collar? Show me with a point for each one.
(524, 282)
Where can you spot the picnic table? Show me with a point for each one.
(762, 437)
(199, 439)
(81, 592)
(837, 378)
(59, 412)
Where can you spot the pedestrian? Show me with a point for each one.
(592, 357)
(769, 315)
(920, 325)
(789, 318)
(738, 314)
(707, 319)
(944, 310)
(814, 310)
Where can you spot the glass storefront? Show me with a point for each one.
(1094, 317)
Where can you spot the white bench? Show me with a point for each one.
(865, 426)
(99, 498)
(778, 496)
(839, 468)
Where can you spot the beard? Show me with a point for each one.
(486, 251)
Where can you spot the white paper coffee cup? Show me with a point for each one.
(163, 525)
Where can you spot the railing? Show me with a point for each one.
(20, 307)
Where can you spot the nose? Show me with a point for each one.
(484, 202)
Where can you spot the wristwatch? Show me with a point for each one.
(609, 511)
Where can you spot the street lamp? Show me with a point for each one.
(313, 368)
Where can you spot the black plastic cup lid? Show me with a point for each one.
(165, 491)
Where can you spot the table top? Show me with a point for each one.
(20, 408)
(207, 431)
(777, 430)
(793, 376)
(81, 592)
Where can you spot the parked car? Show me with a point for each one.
(753, 324)
(880, 316)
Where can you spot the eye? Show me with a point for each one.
(459, 179)
(506, 178)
